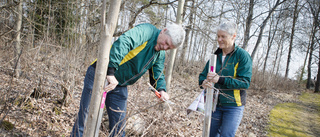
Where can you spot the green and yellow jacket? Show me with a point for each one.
(235, 76)
(133, 53)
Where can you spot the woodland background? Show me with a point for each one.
(47, 45)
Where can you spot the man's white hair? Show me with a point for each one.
(229, 27)
(177, 34)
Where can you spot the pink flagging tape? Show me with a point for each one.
(103, 99)
(211, 69)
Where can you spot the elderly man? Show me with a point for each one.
(139, 49)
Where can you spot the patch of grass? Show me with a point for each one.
(311, 99)
(296, 119)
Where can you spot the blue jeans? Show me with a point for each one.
(225, 121)
(116, 105)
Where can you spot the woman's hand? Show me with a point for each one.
(206, 84)
(213, 77)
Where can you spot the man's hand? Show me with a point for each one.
(164, 95)
(113, 82)
(213, 77)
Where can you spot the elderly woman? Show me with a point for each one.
(232, 76)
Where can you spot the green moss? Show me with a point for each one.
(293, 119)
(6, 125)
(310, 98)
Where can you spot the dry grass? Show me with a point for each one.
(46, 68)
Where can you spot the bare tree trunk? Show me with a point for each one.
(314, 31)
(214, 47)
(173, 52)
(202, 49)
(317, 84)
(48, 26)
(270, 42)
(107, 30)
(316, 89)
(316, 12)
(280, 56)
(32, 28)
(17, 68)
(205, 49)
(262, 28)
(310, 62)
(304, 64)
(196, 46)
(295, 16)
(191, 27)
(280, 48)
(248, 25)
(186, 44)
(82, 23)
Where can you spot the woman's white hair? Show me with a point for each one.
(229, 27)
(177, 34)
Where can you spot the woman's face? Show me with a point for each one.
(225, 40)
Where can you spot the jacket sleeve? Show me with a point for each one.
(129, 41)
(156, 74)
(243, 75)
(203, 74)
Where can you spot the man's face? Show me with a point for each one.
(164, 42)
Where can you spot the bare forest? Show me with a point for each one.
(46, 47)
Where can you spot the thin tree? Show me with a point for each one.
(279, 53)
(191, 27)
(304, 64)
(107, 30)
(316, 89)
(315, 9)
(17, 68)
(173, 52)
(263, 26)
(183, 51)
(248, 25)
(295, 17)
(271, 36)
(315, 13)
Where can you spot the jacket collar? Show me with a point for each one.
(219, 51)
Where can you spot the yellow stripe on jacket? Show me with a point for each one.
(236, 92)
(133, 53)
(130, 55)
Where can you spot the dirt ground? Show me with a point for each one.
(45, 115)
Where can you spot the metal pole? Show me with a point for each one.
(209, 100)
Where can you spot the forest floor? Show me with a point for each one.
(26, 114)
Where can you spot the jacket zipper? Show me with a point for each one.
(150, 60)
